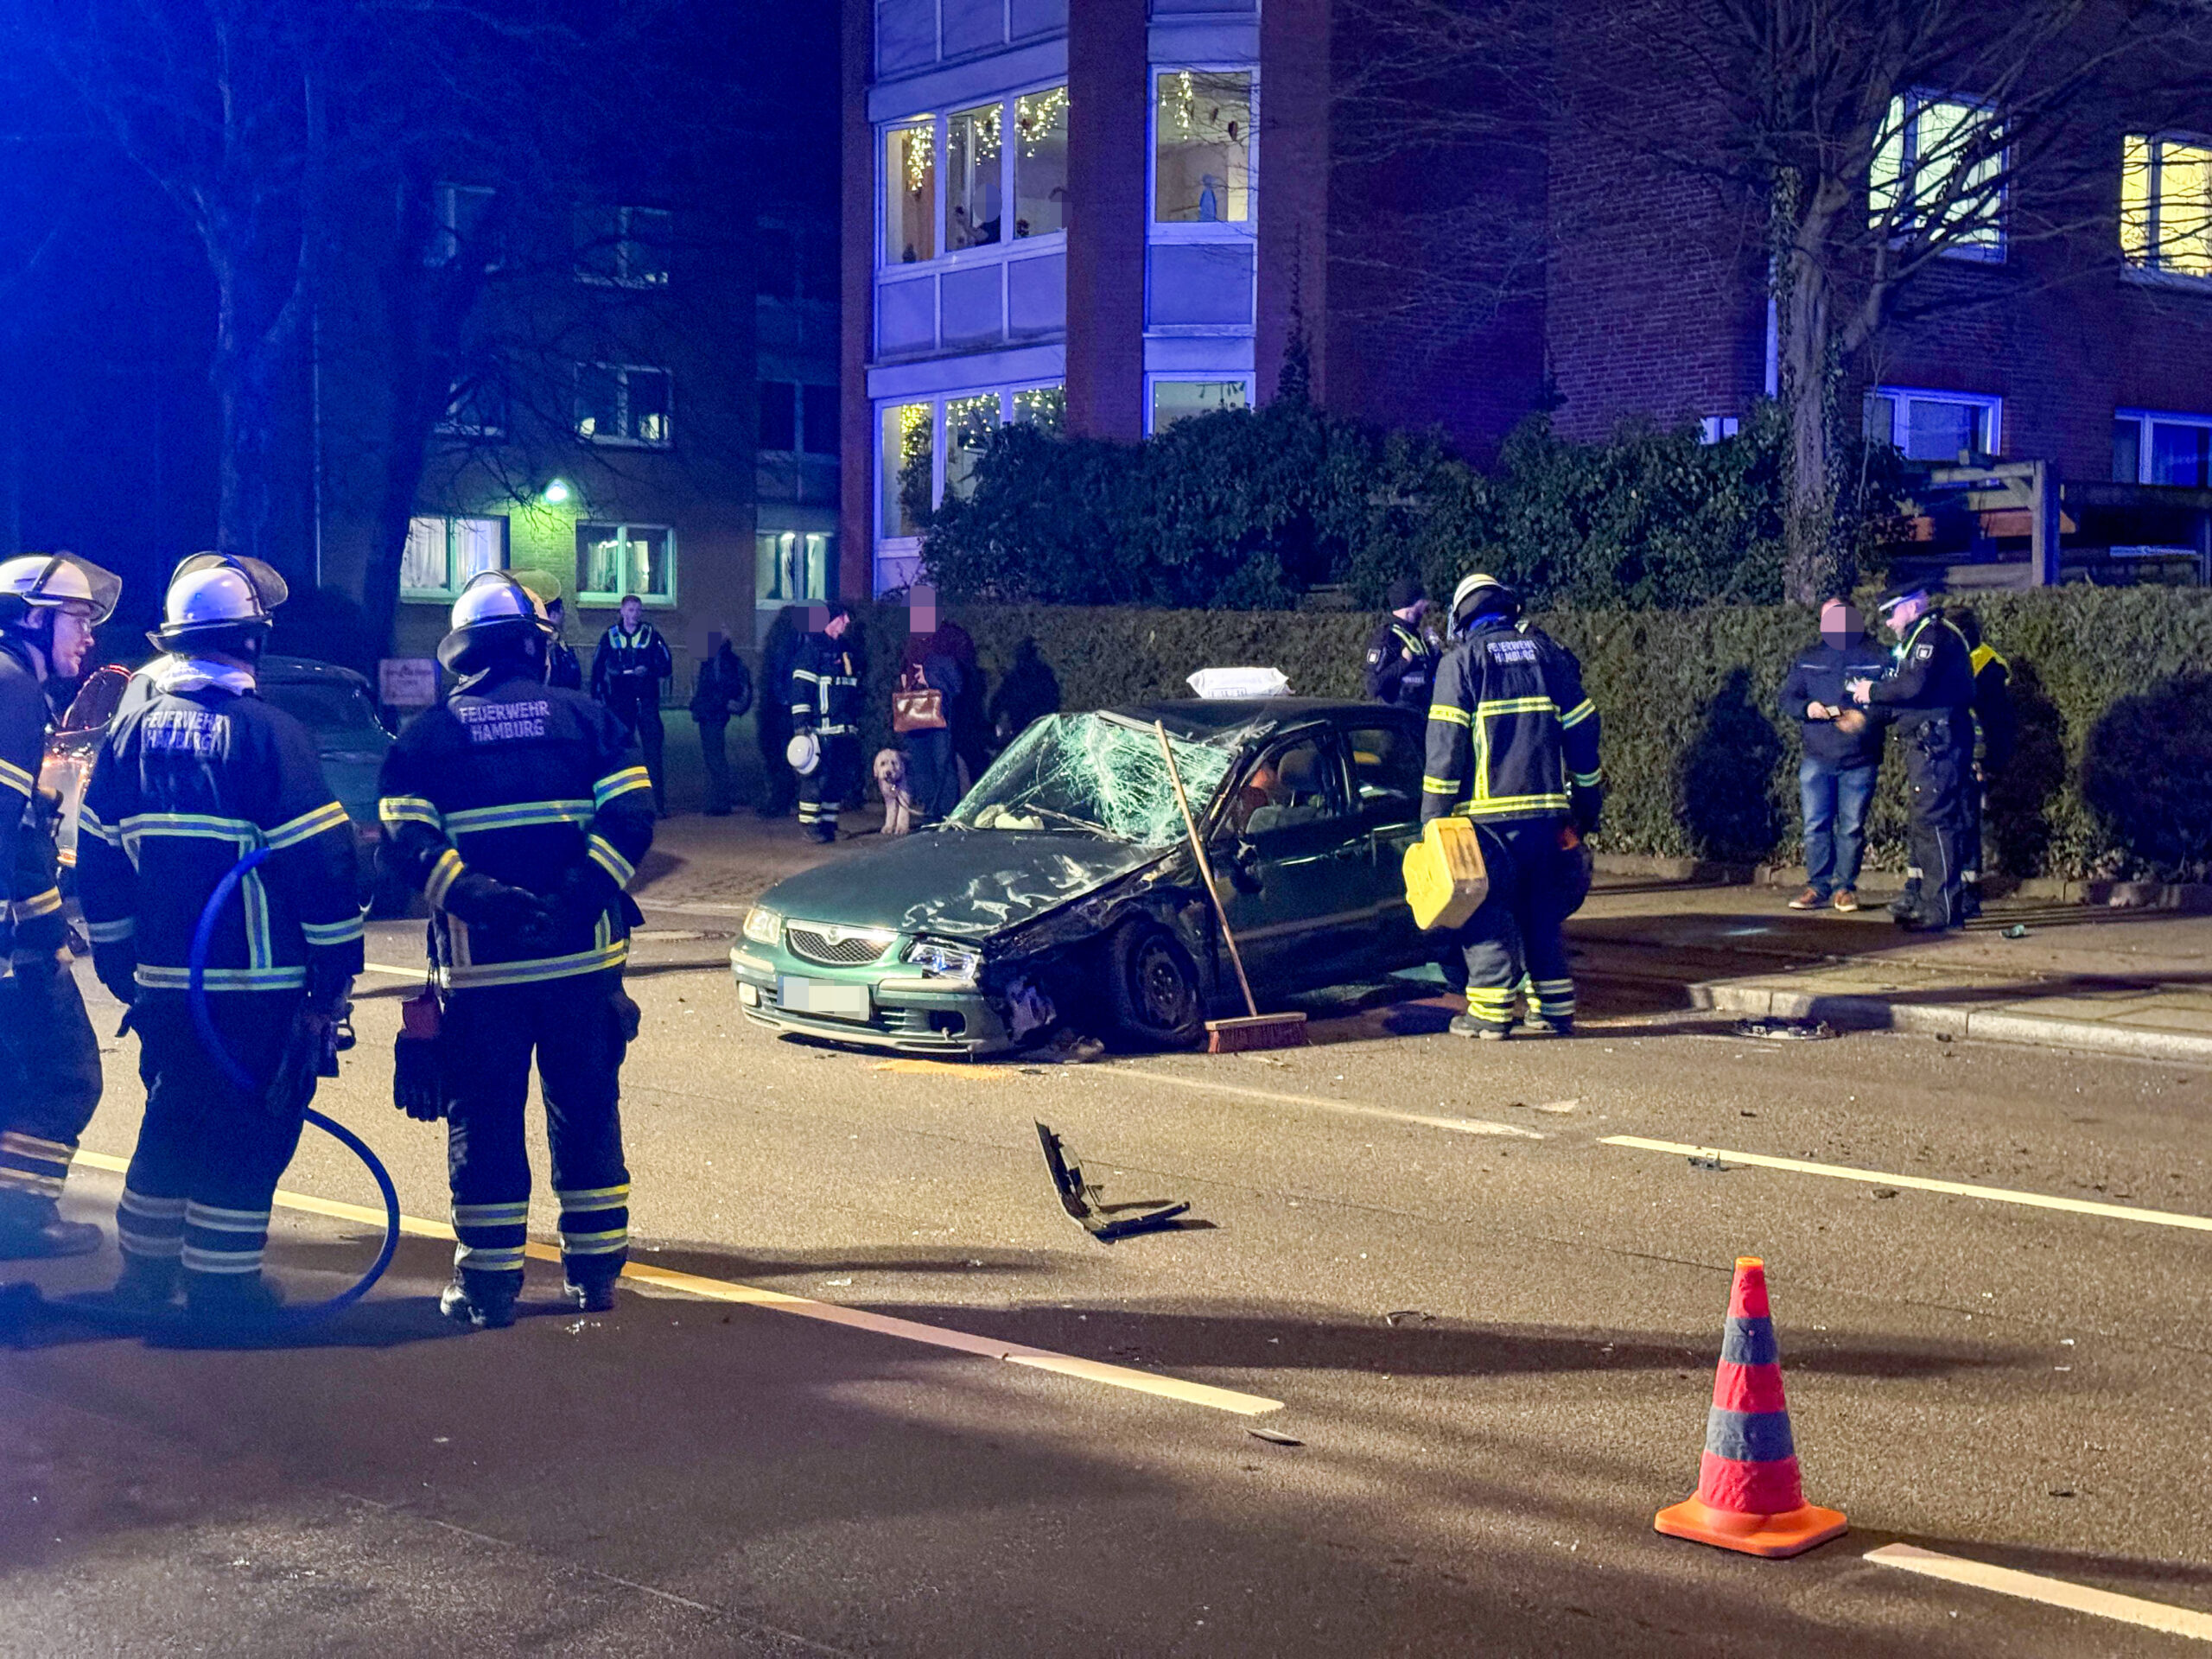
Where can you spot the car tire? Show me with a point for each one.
(1151, 985)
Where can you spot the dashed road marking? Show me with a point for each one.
(883, 1324)
(1918, 1183)
(2055, 1592)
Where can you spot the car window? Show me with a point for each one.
(1298, 783)
(1386, 769)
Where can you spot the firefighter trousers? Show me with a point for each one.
(823, 790)
(1517, 937)
(573, 1028)
(49, 1075)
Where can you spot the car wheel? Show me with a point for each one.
(1153, 988)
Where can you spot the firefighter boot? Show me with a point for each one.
(482, 1301)
(148, 1282)
(231, 1300)
(594, 1293)
(31, 1226)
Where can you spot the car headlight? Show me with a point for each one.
(763, 925)
(943, 961)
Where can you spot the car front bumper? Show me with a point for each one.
(904, 1015)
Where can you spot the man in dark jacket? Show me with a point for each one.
(826, 706)
(561, 668)
(1843, 752)
(724, 692)
(1929, 696)
(1998, 729)
(1513, 745)
(771, 727)
(1028, 691)
(626, 670)
(1400, 665)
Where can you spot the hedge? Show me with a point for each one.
(2113, 687)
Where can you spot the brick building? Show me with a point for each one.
(1112, 214)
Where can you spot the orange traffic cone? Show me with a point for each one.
(1748, 1496)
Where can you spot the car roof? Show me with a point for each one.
(299, 671)
(1205, 717)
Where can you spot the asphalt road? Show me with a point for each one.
(1490, 1333)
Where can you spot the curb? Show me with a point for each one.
(1980, 1025)
(2192, 898)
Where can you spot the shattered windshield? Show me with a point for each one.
(1095, 772)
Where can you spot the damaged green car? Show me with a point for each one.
(1063, 894)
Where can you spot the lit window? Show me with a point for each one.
(790, 565)
(2174, 449)
(2165, 206)
(459, 218)
(1045, 406)
(1178, 400)
(974, 166)
(612, 559)
(1934, 426)
(1939, 172)
(443, 553)
(625, 246)
(1202, 147)
(1040, 162)
(969, 423)
(906, 461)
(617, 402)
(910, 194)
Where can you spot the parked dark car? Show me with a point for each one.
(333, 703)
(1062, 891)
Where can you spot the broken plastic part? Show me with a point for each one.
(1084, 1201)
(1028, 1009)
(1095, 772)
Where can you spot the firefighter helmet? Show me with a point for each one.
(49, 582)
(219, 602)
(496, 615)
(1479, 593)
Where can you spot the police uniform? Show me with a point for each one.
(1929, 696)
(625, 675)
(184, 787)
(521, 810)
(1400, 666)
(826, 700)
(1997, 732)
(50, 1059)
(1513, 745)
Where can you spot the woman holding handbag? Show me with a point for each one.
(930, 684)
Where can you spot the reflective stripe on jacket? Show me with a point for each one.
(1511, 733)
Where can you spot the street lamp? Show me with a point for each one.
(556, 493)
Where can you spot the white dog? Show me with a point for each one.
(898, 798)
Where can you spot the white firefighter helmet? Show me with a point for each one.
(804, 754)
(40, 581)
(219, 602)
(493, 609)
(1467, 595)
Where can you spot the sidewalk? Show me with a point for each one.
(2087, 977)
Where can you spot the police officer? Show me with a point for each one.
(1997, 731)
(626, 670)
(50, 1059)
(1929, 696)
(826, 702)
(561, 668)
(521, 810)
(1513, 745)
(1401, 658)
(202, 773)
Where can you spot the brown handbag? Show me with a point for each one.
(917, 706)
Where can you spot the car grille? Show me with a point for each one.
(839, 948)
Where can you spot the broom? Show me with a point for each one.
(1256, 1030)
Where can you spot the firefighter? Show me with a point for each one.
(826, 702)
(1513, 745)
(1997, 731)
(1929, 696)
(521, 810)
(626, 670)
(183, 786)
(50, 1059)
(1401, 655)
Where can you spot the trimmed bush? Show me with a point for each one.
(2114, 775)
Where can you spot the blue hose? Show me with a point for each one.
(203, 1022)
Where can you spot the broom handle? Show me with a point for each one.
(1205, 869)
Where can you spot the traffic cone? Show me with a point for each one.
(1748, 1496)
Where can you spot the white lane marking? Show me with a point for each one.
(1457, 1125)
(2055, 1592)
(882, 1325)
(1919, 1183)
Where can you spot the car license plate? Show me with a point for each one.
(824, 996)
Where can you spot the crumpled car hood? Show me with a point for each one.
(958, 884)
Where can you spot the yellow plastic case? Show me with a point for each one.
(1445, 882)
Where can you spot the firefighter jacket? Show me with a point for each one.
(825, 688)
(536, 787)
(30, 902)
(1511, 734)
(1400, 666)
(184, 786)
(1933, 679)
(628, 669)
(1993, 707)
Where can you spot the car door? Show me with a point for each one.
(1292, 863)
(1387, 753)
